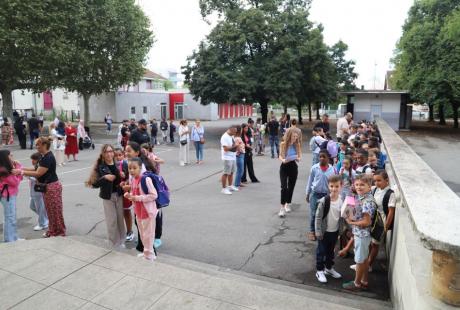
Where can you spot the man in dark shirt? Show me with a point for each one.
(34, 129)
(324, 123)
(132, 125)
(153, 131)
(140, 135)
(21, 132)
(273, 131)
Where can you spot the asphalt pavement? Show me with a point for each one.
(241, 232)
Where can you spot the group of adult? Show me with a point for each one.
(130, 131)
(236, 153)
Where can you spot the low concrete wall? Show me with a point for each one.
(426, 226)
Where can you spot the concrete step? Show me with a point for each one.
(238, 283)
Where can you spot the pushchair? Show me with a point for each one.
(86, 142)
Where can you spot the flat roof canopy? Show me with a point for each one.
(358, 92)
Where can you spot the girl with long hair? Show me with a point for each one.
(106, 176)
(290, 154)
(248, 164)
(9, 187)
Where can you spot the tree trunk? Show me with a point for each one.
(7, 103)
(86, 107)
(318, 117)
(299, 113)
(264, 110)
(431, 112)
(309, 111)
(442, 118)
(285, 106)
(455, 106)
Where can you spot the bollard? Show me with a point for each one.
(446, 277)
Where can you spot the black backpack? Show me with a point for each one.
(323, 145)
(327, 205)
(385, 201)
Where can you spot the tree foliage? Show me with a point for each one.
(264, 50)
(31, 45)
(86, 46)
(427, 56)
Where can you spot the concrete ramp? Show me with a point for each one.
(80, 273)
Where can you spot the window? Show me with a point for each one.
(148, 84)
(133, 110)
(144, 110)
(163, 110)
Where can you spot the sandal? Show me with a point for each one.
(364, 285)
(351, 286)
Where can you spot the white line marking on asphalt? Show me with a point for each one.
(75, 170)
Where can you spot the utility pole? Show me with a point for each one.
(375, 72)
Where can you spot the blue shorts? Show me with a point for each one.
(361, 248)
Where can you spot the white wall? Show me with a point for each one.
(390, 102)
(99, 106)
(62, 100)
(194, 109)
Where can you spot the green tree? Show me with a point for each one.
(109, 41)
(31, 46)
(426, 57)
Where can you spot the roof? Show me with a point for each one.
(358, 92)
(152, 75)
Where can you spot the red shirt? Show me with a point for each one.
(324, 169)
(139, 209)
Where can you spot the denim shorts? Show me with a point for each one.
(361, 248)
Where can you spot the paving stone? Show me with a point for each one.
(14, 289)
(50, 299)
(88, 282)
(177, 299)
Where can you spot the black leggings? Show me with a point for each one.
(288, 178)
(249, 166)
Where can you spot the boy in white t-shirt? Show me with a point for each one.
(328, 224)
(386, 204)
(229, 158)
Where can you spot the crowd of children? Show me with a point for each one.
(350, 199)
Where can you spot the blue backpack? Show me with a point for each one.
(160, 186)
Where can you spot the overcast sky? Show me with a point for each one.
(371, 29)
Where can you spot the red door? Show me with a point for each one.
(47, 100)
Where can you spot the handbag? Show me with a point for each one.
(202, 141)
(40, 187)
(183, 142)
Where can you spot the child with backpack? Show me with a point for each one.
(144, 206)
(363, 166)
(315, 143)
(386, 204)
(172, 130)
(328, 224)
(317, 187)
(361, 228)
(122, 165)
(37, 203)
(347, 174)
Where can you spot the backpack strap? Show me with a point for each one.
(327, 206)
(143, 182)
(374, 190)
(386, 200)
(5, 188)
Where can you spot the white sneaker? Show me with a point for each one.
(233, 188)
(287, 208)
(321, 276)
(370, 268)
(38, 228)
(331, 272)
(226, 191)
(282, 212)
(353, 267)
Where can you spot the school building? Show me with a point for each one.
(389, 105)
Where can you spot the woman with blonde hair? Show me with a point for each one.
(184, 140)
(198, 141)
(290, 154)
(106, 176)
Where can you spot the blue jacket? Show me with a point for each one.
(318, 180)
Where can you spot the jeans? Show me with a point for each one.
(314, 197)
(109, 126)
(288, 177)
(274, 142)
(199, 150)
(153, 140)
(325, 250)
(10, 233)
(33, 136)
(239, 169)
(37, 205)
